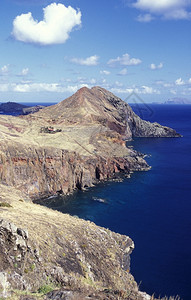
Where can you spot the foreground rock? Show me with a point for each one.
(42, 249)
(73, 144)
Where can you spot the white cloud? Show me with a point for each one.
(167, 85)
(179, 14)
(145, 18)
(24, 72)
(40, 87)
(169, 9)
(138, 90)
(123, 72)
(148, 90)
(89, 61)
(4, 70)
(189, 80)
(55, 27)
(122, 90)
(156, 67)
(104, 72)
(124, 60)
(35, 87)
(179, 81)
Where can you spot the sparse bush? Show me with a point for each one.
(44, 289)
(5, 204)
(32, 267)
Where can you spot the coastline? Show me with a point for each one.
(31, 167)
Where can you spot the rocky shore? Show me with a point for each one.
(71, 145)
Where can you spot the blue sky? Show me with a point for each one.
(49, 49)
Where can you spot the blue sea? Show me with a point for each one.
(153, 207)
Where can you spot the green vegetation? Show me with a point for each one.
(5, 204)
(44, 289)
(32, 267)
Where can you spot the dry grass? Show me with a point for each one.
(74, 137)
(56, 234)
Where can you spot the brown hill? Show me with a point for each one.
(97, 105)
(72, 144)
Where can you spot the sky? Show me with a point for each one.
(137, 49)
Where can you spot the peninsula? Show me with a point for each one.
(71, 145)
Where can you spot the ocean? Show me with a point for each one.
(153, 207)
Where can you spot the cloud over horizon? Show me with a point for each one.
(55, 27)
(39, 87)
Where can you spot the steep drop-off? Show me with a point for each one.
(73, 144)
(43, 250)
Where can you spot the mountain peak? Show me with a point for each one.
(99, 107)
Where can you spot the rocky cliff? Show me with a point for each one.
(46, 252)
(73, 144)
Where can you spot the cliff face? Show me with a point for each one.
(73, 144)
(41, 172)
(43, 250)
(134, 126)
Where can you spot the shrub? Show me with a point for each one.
(5, 204)
(44, 289)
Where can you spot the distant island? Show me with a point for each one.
(18, 109)
(177, 100)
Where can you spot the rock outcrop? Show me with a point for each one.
(87, 144)
(42, 250)
(32, 109)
